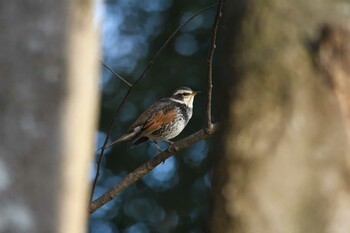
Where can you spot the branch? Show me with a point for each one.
(117, 75)
(209, 124)
(150, 165)
(106, 142)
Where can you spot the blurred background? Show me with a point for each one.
(281, 161)
(174, 196)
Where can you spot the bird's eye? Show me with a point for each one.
(185, 94)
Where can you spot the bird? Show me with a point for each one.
(163, 120)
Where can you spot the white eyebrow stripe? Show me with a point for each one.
(182, 92)
(178, 101)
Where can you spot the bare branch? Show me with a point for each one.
(117, 75)
(150, 165)
(209, 124)
(106, 142)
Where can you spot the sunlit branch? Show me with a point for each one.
(150, 165)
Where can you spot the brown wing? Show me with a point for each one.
(156, 121)
(150, 120)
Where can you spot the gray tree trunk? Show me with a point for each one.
(286, 160)
(48, 94)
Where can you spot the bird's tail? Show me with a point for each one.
(125, 137)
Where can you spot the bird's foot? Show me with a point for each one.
(172, 149)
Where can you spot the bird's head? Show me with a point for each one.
(184, 95)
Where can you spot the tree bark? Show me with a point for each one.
(48, 95)
(285, 164)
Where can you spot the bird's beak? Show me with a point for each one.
(195, 93)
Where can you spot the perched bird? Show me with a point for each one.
(163, 120)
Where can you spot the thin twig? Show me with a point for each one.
(150, 165)
(209, 124)
(131, 86)
(117, 75)
(106, 142)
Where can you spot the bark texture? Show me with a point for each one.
(48, 99)
(285, 164)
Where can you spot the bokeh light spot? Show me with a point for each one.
(186, 44)
(137, 228)
(164, 176)
(144, 209)
(197, 154)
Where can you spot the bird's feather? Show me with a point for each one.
(126, 137)
(158, 120)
